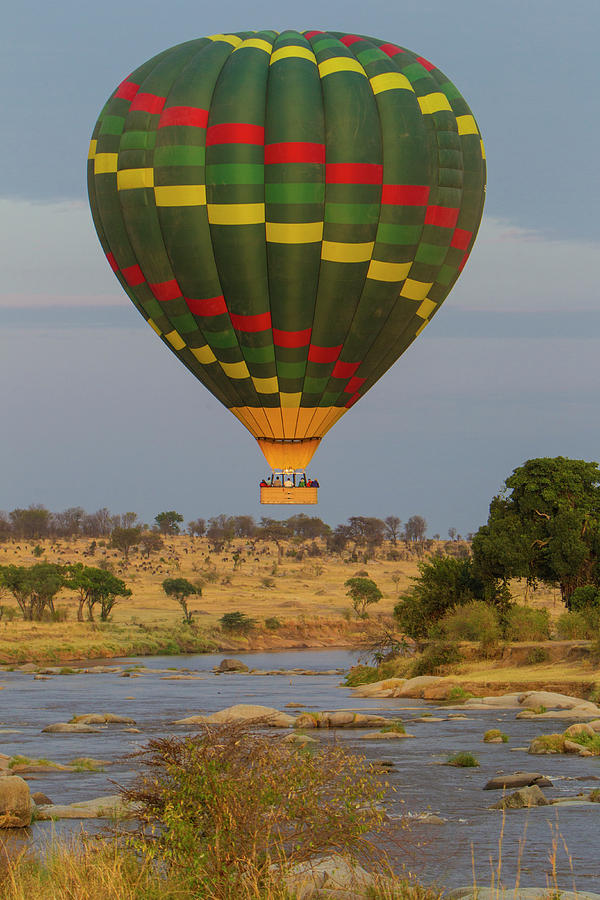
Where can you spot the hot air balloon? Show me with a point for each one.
(287, 211)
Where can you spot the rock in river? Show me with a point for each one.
(524, 798)
(232, 665)
(340, 719)
(70, 728)
(15, 802)
(242, 712)
(102, 719)
(519, 779)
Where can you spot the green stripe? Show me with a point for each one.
(295, 192)
(398, 234)
(235, 173)
(138, 140)
(291, 369)
(112, 125)
(179, 155)
(259, 354)
(432, 254)
(352, 213)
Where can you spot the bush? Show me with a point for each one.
(272, 623)
(537, 655)
(474, 621)
(578, 625)
(223, 806)
(443, 584)
(236, 621)
(267, 582)
(396, 727)
(493, 734)
(524, 623)
(361, 675)
(462, 760)
(437, 659)
(458, 694)
(584, 597)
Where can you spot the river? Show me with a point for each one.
(436, 854)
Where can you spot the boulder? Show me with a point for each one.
(573, 747)
(111, 807)
(331, 877)
(414, 687)
(575, 713)
(232, 665)
(385, 688)
(440, 691)
(293, 705)
(595, 725)
(340, 719)
(524, 798)
(41, 799)
(384, 735)
(520, 893)
(28, 668)
(579, 728)
(102, 719)
(504, 701)
(243, 712)
(552, 700)
(299, 739)
(519, 779)
(70, 728)
(15, 802)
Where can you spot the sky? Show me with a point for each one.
(96, 411)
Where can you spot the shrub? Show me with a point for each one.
(224, 805)
(584, 597)
(524, 623)
(361, 675)
(474, 621)
(8, 613)
(267, 582)
(595, 795)
(458, 693)
(462, 760)
(547, 743)
(493, 734)
(236, 621)
(272, 623)
(589, 742)
(578, 625)
(439, 656)
(537, 655)
(396, 727)
(443, 583)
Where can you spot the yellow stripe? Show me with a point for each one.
(293, 52)
(390, 81)
(340, 64)
(386, 271)
(419, 330)
(175, 340)
(482, 150)
(153, 324)
(294, 232)
(92, 150)
(105, 162)
(432, 103)
(204, 354)
(236, 213)
(257, 44)
(426, 308)
(128, 179)
(290, 401)
(336, 252)
(266, 385)
(235, 370)
(232, 39)
(466, 125)
(415, 290)
(180, 195)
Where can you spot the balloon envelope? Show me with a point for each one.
(287, 211)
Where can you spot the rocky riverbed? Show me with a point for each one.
(105, 712)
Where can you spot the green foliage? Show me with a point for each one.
(363, 592)
(462, 760)
(223, 805)
(589, 742)
(38, 551)
(168, 522)
(180, 589)
(272, 623)
(581, 625)
(536, 656)
(124, 539)
(493, 734)
(458, 694)
(237, 622)
(267, 583)
(443, 583)
(585, 597)
(361, 675)
(438, 657)
(34, 587)
(151, 542)
(524, 623)
(595, 795)
(473, 621)
(548, 743)
(545, 526)
(95, 586)
(396, 727)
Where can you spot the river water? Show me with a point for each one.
(437, 854)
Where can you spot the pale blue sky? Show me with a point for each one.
(97, 412)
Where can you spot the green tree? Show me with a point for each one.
(180, 589)
(124, 539)
(151, 542)
(544, 526)
(363, 592)
(34, 587)
(443, 583)
(168, 522)
(95, 586)
(31, 523)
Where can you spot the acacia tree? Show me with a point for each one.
(124, 539)
(363, 592)
(168, 522)
(544, 526)
(392, 528)
(151, 542)
(180, 589)
(95, 586)
(34, 587)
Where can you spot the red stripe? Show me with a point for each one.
(353, 173)
(353, 385)
(184, 115)
(405, 194)
(208, 306)
(463, 261)
(443, 216)
(260, 322)
(391, 49)
(166, 290)
(133, 275)
(461, 238)
(425, 63)
(235, 133)
(294, 152)
(350, 39)
(344, 369)
(127, 90)
(352, 401)
(323, 354)
(112, 262)
(292, 339)
(150, 103)
(309, 34)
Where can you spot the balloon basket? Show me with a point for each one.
(288, 486)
